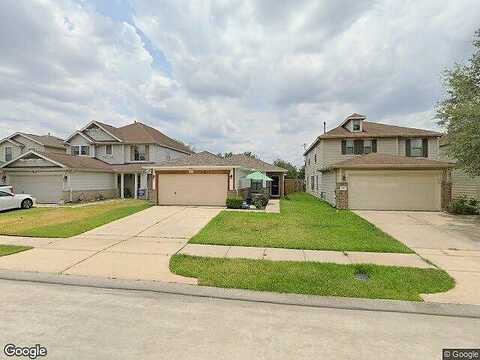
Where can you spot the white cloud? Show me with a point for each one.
(257, 76)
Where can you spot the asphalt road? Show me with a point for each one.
(88, 323)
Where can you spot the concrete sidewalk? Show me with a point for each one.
(137, 247)
(276, 254)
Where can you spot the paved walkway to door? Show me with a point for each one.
(136, 247)
(450, 242)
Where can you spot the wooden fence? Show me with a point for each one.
(294, 185)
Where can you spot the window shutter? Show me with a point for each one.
(407, 147)
(374, 145)
(425, 148)
(358, 147)
(344, 147)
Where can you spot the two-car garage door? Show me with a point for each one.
(45, 188)
(192, 189)
(394, 190)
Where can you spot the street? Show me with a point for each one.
(91, 323)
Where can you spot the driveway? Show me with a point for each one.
(136, 247)
(450, 242)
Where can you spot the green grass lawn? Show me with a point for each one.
(305, 222)
(12, 249)
(386, 282)
(66, 221)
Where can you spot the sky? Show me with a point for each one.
(228, 75)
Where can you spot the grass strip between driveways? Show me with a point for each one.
(326, 279)
(12, 249)
(66, 221)
(305, 222)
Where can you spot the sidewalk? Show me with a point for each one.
(276, 254)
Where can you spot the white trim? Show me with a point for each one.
(26, 136)
(44, 157)
(101, 127)
(90, 140)
(13, 142)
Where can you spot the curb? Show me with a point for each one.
(391, 306)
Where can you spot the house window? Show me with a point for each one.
(308, 161)
(416, 148)
(75, 150)
(108, 149)
(312, 182)
(139, 153)
(349, 145)
(8, 153)
(315, 158)
(367, 146)
(316, 180)
(256, 185)
(85, 150)
(356, 125)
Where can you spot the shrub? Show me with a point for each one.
(260, 201)
(464, 206)
(234, 202)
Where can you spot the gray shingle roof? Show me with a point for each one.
(390, 161)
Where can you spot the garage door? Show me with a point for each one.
(394, 190)
(45, 188)
(192, 189)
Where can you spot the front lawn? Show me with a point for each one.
(66, 221)
(305, 222)
(12, 249)
(326, 279)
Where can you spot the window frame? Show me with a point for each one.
(347, 147)
(256, 185)
(420, 149)
(86, 153)
(134, 151)
(365, 147)
(10, 148)
(75, 150)
(312, 182)
(108, 153)
(354, 123)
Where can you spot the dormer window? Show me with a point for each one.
(8, 153)
(356, 125)
(83, 150)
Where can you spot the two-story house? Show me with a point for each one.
(98, 161)
(366, 165)
(19, 143)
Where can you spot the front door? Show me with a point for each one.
(275, 185)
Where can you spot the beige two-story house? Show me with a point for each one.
(19, 143)
(366, 165)
(97, 161)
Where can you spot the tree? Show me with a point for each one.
(251, 154)
(225, 155)
(301, 172)
(459, 111)
(292, 169)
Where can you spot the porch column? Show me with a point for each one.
(135, 195)
(122, 185)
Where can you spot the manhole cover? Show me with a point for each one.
(361, 276)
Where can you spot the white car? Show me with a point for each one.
(9, 200)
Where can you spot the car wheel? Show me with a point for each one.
(27, 204)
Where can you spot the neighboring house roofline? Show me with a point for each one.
(38, 139)
(86, 137)
(43, 156)
(7, 139)
(97, 123)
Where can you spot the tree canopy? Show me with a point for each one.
(292, 169)
(459, 111)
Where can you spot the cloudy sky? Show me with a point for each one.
(227, 75)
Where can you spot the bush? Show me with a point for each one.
(260, 201)
(234, 203)
(464, 206)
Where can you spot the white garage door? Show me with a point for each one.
(45, 188)
(192, 189)
(394, 190)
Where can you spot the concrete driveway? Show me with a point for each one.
(450, 242)
(136, 247)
